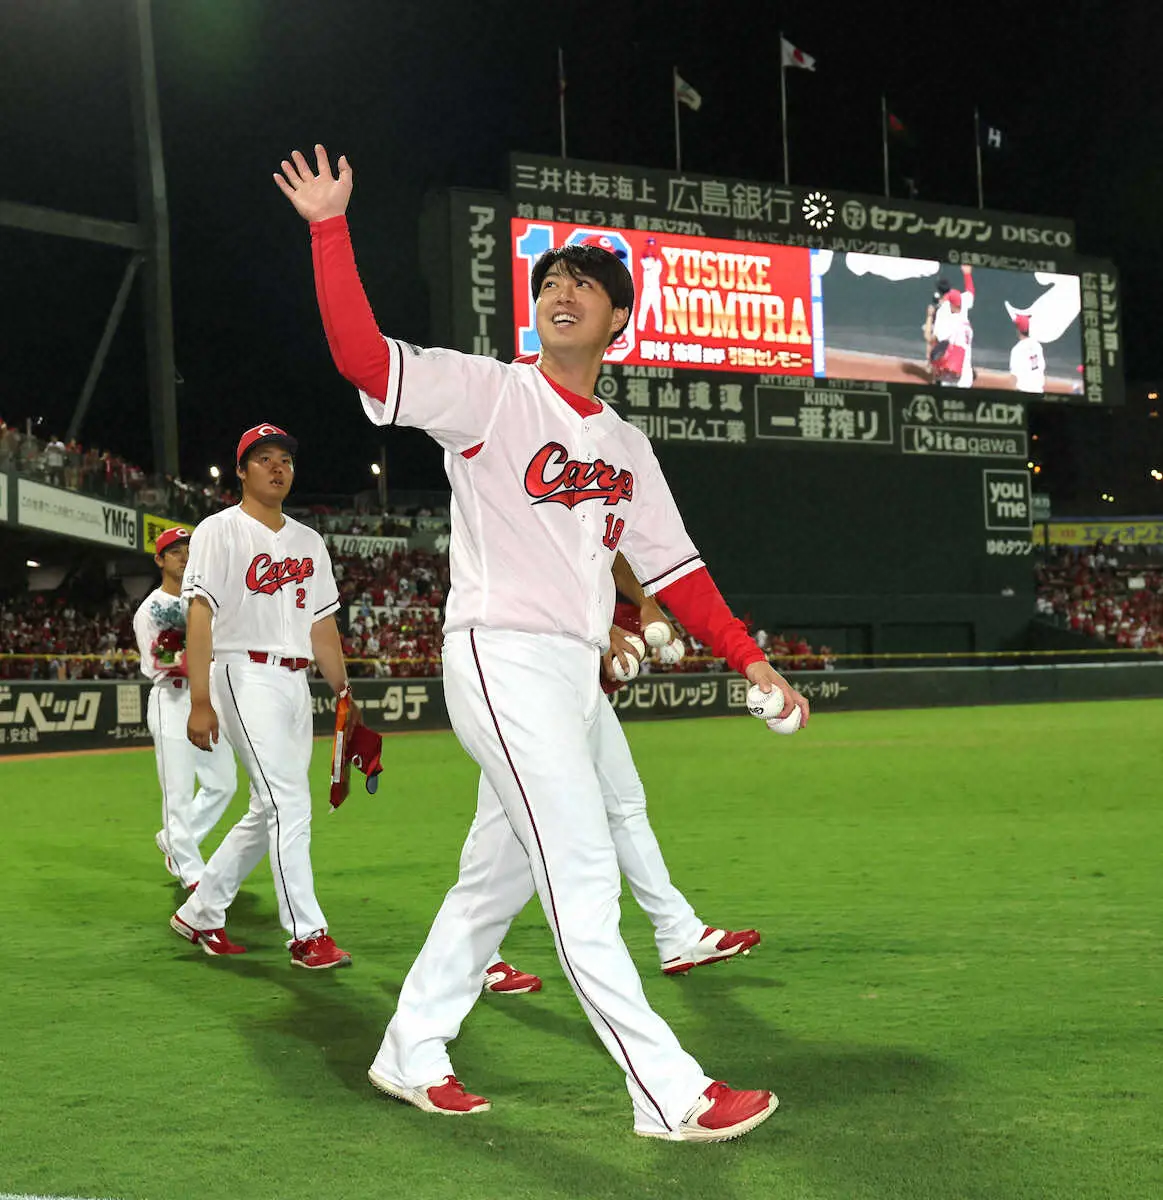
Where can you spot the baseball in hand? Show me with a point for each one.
(657, 633)
(788, 724)
(636, 644)
(671, 653)
(768, 705)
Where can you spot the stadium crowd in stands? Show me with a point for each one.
(106, 475)
(1111, 593)
(58, 631)
(393, 605)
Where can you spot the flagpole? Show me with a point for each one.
(677, 132)
(977, 145)
(561, 95)
(783, 107)
(884, 136)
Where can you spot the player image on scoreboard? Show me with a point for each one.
(907, 320)
(701, 302)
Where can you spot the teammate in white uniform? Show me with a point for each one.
(952, 326)
(1027, 359)
(262, 595)
(188, 815)
(546, 484)
(650, 302)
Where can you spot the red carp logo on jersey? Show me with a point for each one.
(266, 575)
(552, 477)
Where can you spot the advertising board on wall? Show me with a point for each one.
(153, 527)
(55, 510)
(659, 200)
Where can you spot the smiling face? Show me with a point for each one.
(267, 473)
(574, 313)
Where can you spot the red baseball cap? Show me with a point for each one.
(169, 537)
(953, 296)
(265, 433)
(1022, 321)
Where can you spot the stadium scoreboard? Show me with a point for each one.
(791, 322)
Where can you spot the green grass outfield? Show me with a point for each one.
(959, 994)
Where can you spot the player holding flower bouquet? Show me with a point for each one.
(188, 812)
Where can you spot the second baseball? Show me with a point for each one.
(788, 724)
(671, 653)
(657, 633)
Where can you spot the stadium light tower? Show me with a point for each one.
(148, 242)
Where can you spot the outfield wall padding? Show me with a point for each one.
(42, 717)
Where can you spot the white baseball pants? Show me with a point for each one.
(527, 708)
(265, 713)
(677, 927)
(188, 812)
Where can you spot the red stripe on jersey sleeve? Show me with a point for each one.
(698, 604)
(357, 346)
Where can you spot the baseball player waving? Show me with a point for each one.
(262, 595)
(159, 626)
(547, 483)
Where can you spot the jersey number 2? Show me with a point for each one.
(614, 527)
(300, 597)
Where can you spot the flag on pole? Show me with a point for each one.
(685, 94)
(561, 96)
(992, 138)
(793, 56)
(898, 129)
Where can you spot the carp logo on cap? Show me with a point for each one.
(168, 537)
(264, 433)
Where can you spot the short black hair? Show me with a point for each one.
(598, 264)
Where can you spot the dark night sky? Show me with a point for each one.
(428, 95)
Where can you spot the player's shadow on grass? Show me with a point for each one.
(326, 1015)
(346, 1034)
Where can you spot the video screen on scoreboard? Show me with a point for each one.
(713, 303)
(911, 320)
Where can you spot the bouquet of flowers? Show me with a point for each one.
(169, 647)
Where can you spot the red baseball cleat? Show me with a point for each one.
(212, 941)
(503, 978)
(445, 1096)
(720, 1114)
(714, 946)
(318, 953)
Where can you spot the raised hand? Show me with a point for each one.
(315, 196)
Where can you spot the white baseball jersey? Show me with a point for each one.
(265, 589)
(1028, 365)
(159, 625)
(954, 328)
(546, 486)
(650, 301)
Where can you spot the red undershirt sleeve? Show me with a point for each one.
(697, 603)
(357, 346)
